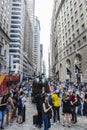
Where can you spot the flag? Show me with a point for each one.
(68, 71)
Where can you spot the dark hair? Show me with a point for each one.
(21, 93)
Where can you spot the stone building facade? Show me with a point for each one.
(69, 40)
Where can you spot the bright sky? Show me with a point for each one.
(44, 12)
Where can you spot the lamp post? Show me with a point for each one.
(9, 73)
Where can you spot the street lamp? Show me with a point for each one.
(9, 72)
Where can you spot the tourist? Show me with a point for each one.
(46, 118)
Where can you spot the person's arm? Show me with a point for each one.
(12, 102)
(75, 101)
(46, 109)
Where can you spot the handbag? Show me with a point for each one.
(49, 113)
(0, 115)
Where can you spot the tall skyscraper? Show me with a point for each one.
(28, 44)
(69, 40)
(17, 35)
(31, 10)
(37, 46)
(4, 34)
(41, 58)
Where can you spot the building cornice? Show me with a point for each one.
(3, 32)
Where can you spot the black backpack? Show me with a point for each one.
(19, 102)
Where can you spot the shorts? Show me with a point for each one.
(20, 111)
(9, 109)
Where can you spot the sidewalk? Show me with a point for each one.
(28, 125)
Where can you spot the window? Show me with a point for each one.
(65, 27)
(69, 31)
(62, 24)
(15, 17)
(16, 61)
(77, 23)
(73, 36)
(68, 23)
(14, 66)
(77, 32)
(16, 13)
(63, 38)
(71, 11)
(84, 39)
(70, 49)
(81, 7)
(67, 52)
(70, 40)
(65, 20)
(71, 3)
(64, 13)
(67, 16)
(64, 53)
(72, 27)
(75, 5)
(66, 35)
(74, 46)
(66, 42)
(76, 13)
(82, 17)
(79, 43)
(72, 19)
(83, 27)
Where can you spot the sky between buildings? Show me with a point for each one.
(44, 12)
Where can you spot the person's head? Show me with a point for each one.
(21, 93)
(46, 98)
(69, 91)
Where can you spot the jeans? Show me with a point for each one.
(79, 110)
(47, 123)
(56, 113)
(3, 115)
(74, 115)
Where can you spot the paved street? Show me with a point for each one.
(81, 125)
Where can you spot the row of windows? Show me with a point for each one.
(14, 50)
(79, 43)
(15, 31)
(66, 43)
(15, 17)
(15, 40)
(16, 22)
(16, 61)
(18, 9)
(70, 31)
(16, 0)
(15, 36)
(15, 26)
(16, 13)
(16, 5)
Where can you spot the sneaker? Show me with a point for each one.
(2, 127)
(63, 125)
(54, 123)
(69, 126)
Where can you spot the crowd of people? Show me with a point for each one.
(12, 105)
(61, 99)
(69, 101)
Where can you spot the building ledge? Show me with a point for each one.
(3, 32)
